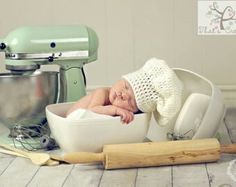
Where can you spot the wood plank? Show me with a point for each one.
(190, 175)
(122, 177)
(18, 173)
(154, 176)
(5, 161)
(218, 171)
(45, 175)
(196, 174)
(85, 175)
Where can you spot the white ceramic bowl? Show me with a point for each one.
(92, 134)
(202, 124)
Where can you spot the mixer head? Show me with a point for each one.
(26, 48)
(70, 47)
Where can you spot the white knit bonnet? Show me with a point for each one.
(156, 89)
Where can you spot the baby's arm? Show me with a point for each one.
(98, 101)
(97, 97)
(126, 116)
(100, 104)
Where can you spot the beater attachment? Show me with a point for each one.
(32, 137)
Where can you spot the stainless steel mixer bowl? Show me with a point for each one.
(23, 98)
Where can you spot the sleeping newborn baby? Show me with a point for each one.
(117, 100)
(153, 88)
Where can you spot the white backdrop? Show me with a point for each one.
(130, 32)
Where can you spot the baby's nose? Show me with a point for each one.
(119, 94)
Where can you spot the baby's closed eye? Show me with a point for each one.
(126, 86)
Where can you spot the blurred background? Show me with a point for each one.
(132, 31)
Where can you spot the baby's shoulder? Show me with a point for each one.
(102, 94)
(102, 91)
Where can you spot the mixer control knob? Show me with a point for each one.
(2, 46)
(50, 59)
(53, 45)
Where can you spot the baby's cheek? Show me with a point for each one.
(128, 106)
(117, 103)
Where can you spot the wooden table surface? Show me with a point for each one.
(16, 171)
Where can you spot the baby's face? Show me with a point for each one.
(122, 95)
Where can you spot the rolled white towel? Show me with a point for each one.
(86, 114)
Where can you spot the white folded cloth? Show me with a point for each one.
(86, 114)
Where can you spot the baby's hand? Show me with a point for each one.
(126, 116)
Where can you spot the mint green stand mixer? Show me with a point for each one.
(26, 48)
(70, 47)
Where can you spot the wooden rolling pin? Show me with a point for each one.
(152, 154)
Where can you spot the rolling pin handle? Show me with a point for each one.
(231, 148)
(83, 157)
